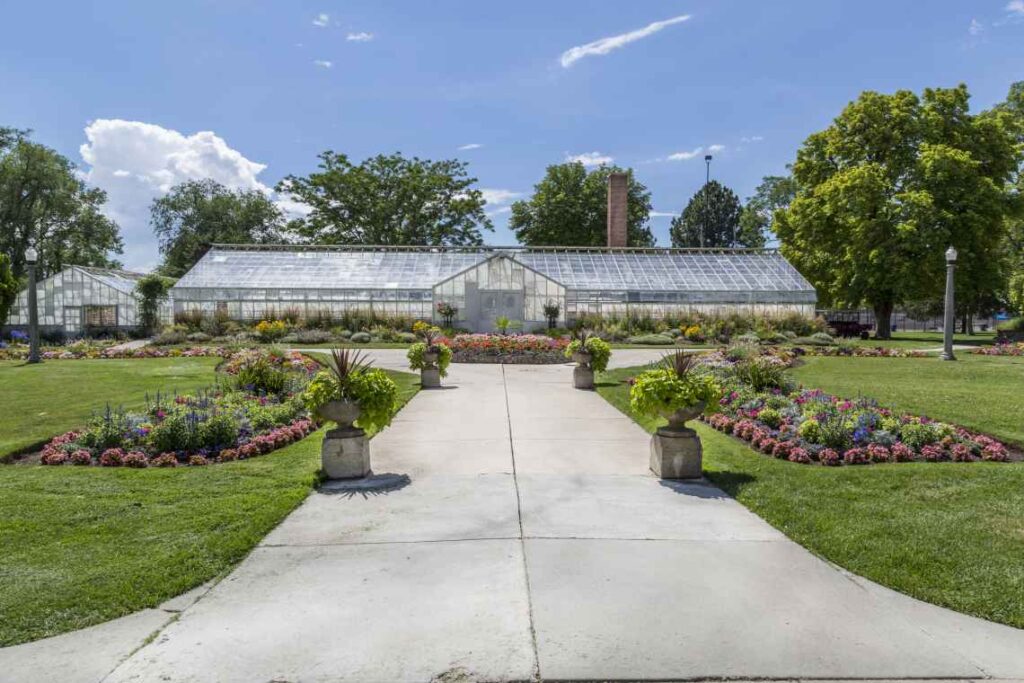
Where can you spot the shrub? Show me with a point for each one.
(551, 313)
(112, 457)
(55, 458)
(165, 460)
(217, 431)
(198, 460)
(136, 459)
(762, 372)
(227, 455)
(770, 417)
(918, 434)
(828, 456)
(257, 373)
(80, 457)
(361, 338)
(176, 432)
(823, 337)
(1011, 325)
(198, 337)
(270, 331)
(170, 338)
(652, 340)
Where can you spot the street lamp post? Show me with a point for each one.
(950, 322)
(707, 181)
(31, 256)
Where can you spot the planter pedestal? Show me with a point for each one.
(582, 377)
(345, 454)
(583, 373)
(430, 378)
(676, 451)
(676, 455)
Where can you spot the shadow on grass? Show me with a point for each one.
(732, 483)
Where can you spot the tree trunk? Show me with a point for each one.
(883, 321)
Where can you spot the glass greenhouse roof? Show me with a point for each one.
(326, 269)
(121, 280)
(225, 266)
(667, 271)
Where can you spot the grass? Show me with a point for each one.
(82, 545)
(979, 392)
(924, 340)
(41, 401)
(950, 534)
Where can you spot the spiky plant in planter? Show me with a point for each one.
(350, 390)
(591, 353)
(678, 391)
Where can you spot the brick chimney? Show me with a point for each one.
(617, 193)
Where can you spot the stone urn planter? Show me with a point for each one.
(583, 373)
(676, 451)
(430, 374)
(345, 452)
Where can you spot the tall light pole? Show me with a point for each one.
(707, 181)
(31, 256)
(947, 332)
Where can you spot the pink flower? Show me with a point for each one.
(81, 457)
(165, 460)
(856, 456)
(799, 455)
(829, 457)
(135, 459)
(228, 455)
(933, 453)
(878, 453)
(112, 457)
(198, 460)
(54, 458)
(901, 452)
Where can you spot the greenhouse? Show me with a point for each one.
(485, 283)
(83, 301)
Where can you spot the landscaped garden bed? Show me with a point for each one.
(1000, 349)
(93, 349)
(510, 349)
(255, 409)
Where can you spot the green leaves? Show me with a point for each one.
(388, 199)
(569, 207)
(711, 219)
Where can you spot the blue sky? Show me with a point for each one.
(144, 94)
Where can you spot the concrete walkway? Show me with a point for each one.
(513, 533)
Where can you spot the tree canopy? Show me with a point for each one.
(887, 187)
(388, 199)
(8, 287)
(775, 192)
(198, 213)
(569, 207)
(712, 219)
(43, 202)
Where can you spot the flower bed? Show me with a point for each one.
(256, 409)
(93, 350)
(512, 349)
(810, 426)
(1005, 349)
(859, 352)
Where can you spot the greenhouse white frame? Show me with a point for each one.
(80, 300)
(253, 282)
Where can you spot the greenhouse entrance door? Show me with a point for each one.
(497, 303)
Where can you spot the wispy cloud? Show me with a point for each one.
(662, 214)
(605, 45)
(1015, 7)
(751, 138)
(322, 20)
(323, 63)
(498, 212)
(472, 145)
(498, 196)
(715, 149)
(975, 28)
(361, 37)
(685, 156)
(589, 158)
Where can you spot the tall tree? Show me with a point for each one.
(1011, 111)
(9, 287)
(712, 219)
(198, 213)
(569, 208)
(887, 187)
(775, 192)
(388, 199)
(43, 202)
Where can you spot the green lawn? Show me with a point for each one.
(44, 400)
(979, 392)
(950, 533)
(82, 545)
(925, 340)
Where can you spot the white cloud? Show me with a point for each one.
(322, 20)
(662, 214)
(499, 196)
(590, 158)
(1015, 7)
(976, 28)
(136, 162)
(685, 156)
(714, 149)
(472, 145)
(498, 212)
(361, 37)
(752, 138)
(323, 63)
(605, 45)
